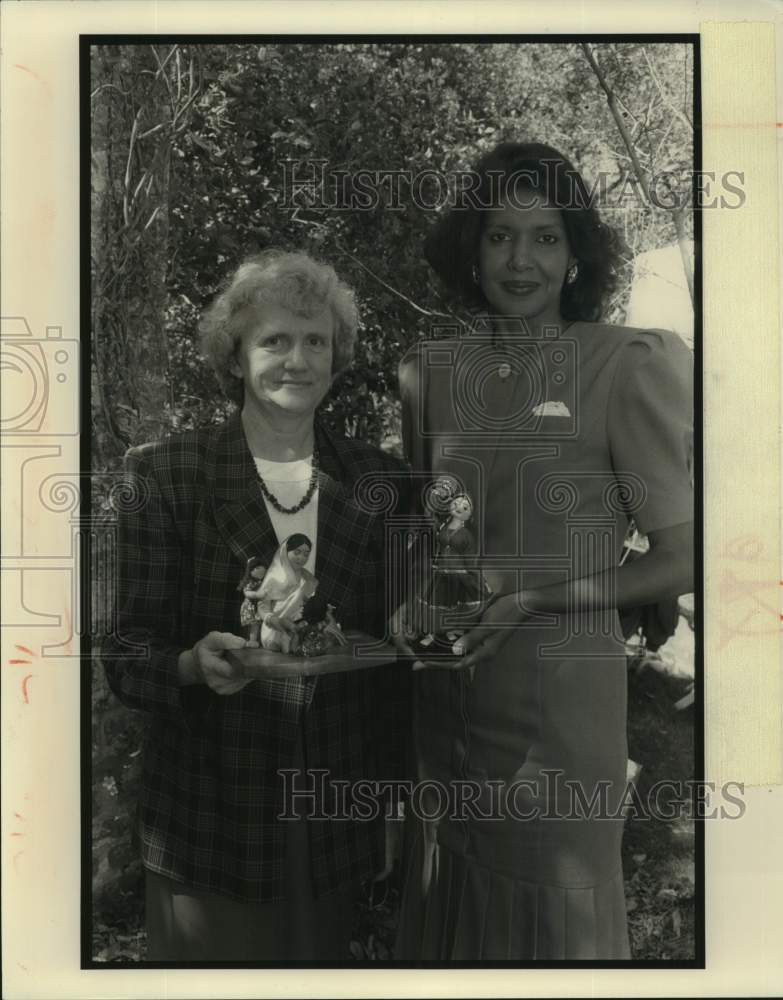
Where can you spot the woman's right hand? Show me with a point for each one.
(205, 663)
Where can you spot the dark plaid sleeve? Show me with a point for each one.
(140, 657)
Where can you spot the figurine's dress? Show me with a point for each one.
(452, 583)
(286, 603)
(248, 612)
(542, 452)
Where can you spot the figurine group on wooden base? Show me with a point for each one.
(281, 610)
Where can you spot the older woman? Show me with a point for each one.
(226, 878)
(560, 428)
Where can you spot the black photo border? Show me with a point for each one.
(85, 456)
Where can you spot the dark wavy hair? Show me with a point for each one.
(294, 541)
(452, 246)
(253, 563)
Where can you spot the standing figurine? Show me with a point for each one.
(283, 591)
(454, 589)
(250, 586)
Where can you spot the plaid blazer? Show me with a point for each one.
(210, 791)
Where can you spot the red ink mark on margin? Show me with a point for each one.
(19, 815)
(17, 835)
(721, 124)
(24, 649)
(26, 70)
(25, 693)
(20, 661)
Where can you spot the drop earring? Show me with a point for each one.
(572, 273)
(474, 273)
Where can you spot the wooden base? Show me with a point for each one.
(362, 651)
(438, 649)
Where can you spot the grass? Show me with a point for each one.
(658, 856)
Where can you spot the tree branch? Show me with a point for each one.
(622, 128)
(678, 215)
(664, 96)
(388, 287)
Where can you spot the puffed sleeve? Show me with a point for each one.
(650, 428)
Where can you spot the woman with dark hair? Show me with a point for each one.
(560, 428)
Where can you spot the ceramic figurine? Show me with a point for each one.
(283, 592)
(250, 587)
(454, 594)
(317, 632)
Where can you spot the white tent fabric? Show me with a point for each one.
(659, 293)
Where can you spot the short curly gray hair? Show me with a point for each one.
(293, 280)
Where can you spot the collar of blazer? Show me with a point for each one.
(243, 521)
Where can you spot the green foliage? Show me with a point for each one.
(230, 118)
(385, 107)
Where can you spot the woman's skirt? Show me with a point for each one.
(455, 909)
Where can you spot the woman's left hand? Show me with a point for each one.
(486, 639)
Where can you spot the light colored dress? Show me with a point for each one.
(283, 592)
(588, 428)
(287, 604)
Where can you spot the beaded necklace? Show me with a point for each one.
(305, 499)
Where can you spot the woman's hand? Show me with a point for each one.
(205, 664)
(485, 640)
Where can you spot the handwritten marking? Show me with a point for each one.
(753, 606)
(19, 816)
(20, 661)
(24, 649)
(25, 682)
(67, 646)
(26, 70)
(745, 547)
